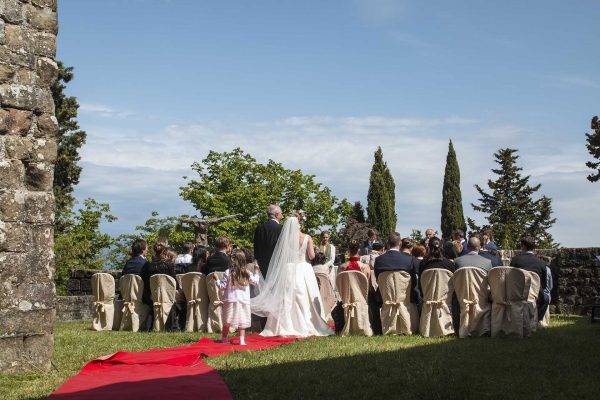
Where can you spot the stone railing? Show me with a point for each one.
(80, 281)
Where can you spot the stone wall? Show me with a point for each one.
(80, 281)
(28, 130)
(74, 308)
(576, 274)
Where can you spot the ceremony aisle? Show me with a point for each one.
(178, 372)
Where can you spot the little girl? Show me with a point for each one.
(236, 299)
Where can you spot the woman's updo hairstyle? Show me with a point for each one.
(435, 248)
(301, 215)
(353, 247)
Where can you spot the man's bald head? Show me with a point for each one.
(474, 244)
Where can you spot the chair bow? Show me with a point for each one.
(469, 303)
(351, 306)
(217, 303)
(194, 301)
(99, 305)
(128, 305)
(439, 304)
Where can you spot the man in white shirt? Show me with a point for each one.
(186, 257)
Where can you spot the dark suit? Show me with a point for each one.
(134, 265)
(218, 262)
(393, 260)
(528, 262)
(265, 239)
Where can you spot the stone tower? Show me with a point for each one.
(28, 130)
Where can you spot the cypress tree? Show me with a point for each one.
(593, 147)
(511, 211)
(70, 140)
(358, 213)
(381, 199)
(452, 209)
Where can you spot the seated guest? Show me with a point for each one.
(185, 258)
(451, 249)
(486, 239)
(354, 263)
(199, 257)
(472, 258)
(419, 251)
(529, 262)
(134, 265)
(219, 261)
(394, 260)
(459, 236)
(163, 262)
(436, 257)
(319, 263)
(491, 253)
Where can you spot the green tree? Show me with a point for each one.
(234, 182)
(512, 213)
(82, 245)
(358, 212)
(70, 140)
(155, 228)
(381, 198)
(452, 209)
(416, 236)
(593, 147)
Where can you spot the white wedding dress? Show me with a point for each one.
(290, 297)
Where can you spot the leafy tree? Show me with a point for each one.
(70, 140)
(452, 209)
(81, 245)
(511, 210)
(381, 198)
(234, 182)
(358, 212)
(155, 227)
(593, 147)
(417, 236)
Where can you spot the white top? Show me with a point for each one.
(234, 294)
(183, 259)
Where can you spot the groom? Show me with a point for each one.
(265, 238)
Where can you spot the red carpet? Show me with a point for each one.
(178, 373)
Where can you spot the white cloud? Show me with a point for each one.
(143, 170)
(104, 111)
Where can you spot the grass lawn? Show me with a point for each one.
(560, 362)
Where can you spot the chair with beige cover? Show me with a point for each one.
(326, 291)
(352, 286)
(471, 288)
(436, 317)
(134, 311)
(103, 293)
(163, 288)
(532, 297)
(215, 303)
(196, 294)
(398, 314)
(510, 290)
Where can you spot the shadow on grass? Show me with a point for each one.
(560, 362)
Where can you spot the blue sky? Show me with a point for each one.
(318, 85)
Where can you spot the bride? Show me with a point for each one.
(289, 297)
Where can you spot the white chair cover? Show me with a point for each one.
(471, 287)
(135, 312)
(178, 279)
(353, 289)
(534, 290)
(215, 303)
(398, 314)
(103, 293)
(510, 290)
(194, 287)
(163, 297)
(436, 317)
(327, 295)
